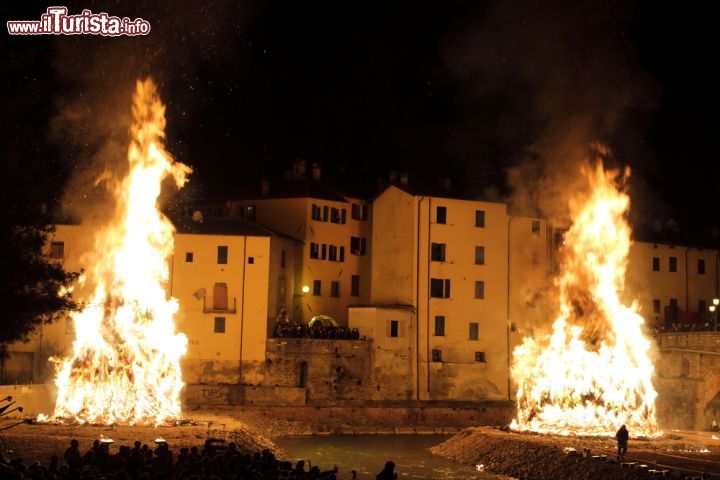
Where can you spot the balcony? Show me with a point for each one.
(219, 305)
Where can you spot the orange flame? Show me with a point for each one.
(593, 373)
(125, 365)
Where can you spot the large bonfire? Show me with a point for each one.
(593, 373)
(125, 363)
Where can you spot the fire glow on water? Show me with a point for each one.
(593, 373)
(125, 362)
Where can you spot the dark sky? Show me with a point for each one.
(459, 88)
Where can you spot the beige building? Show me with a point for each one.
(672, 283)
(455, 283)
(231, 277)
(334, 228)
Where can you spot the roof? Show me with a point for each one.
(437, 191)
(220, 226)
(302, 188)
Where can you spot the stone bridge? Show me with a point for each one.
(688, 379)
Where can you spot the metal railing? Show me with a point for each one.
(219, 305)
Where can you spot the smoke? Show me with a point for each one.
(567, 76)
(98, 76)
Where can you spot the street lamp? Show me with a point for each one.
(714, 310)
(305, 289)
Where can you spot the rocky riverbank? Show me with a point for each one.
(542, 457)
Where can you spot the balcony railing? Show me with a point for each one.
(219, 305)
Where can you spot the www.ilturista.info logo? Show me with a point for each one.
(56, 21)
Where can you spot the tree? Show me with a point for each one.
(33, 287)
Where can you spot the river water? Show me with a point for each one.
(367, 455)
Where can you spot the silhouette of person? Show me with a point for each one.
(388, 472)
(622, 437)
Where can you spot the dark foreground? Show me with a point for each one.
(542, 457)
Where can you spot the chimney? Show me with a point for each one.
(316, 171)
(404, 178)
(393, 176)
(445, 183)
(265, 187)
(299, 167)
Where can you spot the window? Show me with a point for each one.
(220, 296)
(535, 226)
(436, 355)
(441, 215)
(335, 288)
(316, 213)
(673, 264)
(440, 288)
(394, 328)
(314, 250)
(342, 254)
(282, 258)
(334, 215)
(439, 326)
(251, 260)
(656, 264)
(513, 327)
(479, 289)
(324, 251)
(359, 211)
(222, 254)
(480, 218)
(343, 216)
(480, 357)
(701, 267)
(188, 257)
(355, 286)
(358, 245)
(317, 287)
(437, 252)
(701, 306)
(479, 255)
(326, 209)
(656, 306)
(57, 250)
(673, 303)
(219, 324)
(473, 334)
(332, 256)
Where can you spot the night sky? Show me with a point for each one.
(464, 89)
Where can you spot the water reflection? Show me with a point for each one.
(367, 455)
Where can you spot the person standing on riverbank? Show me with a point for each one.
(388, 472)
(622, 437)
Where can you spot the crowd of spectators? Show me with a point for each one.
(140, 462)
(301, 330)
(685, 327)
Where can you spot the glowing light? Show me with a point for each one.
(593, 373)
(125, 363)
(305, 289)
